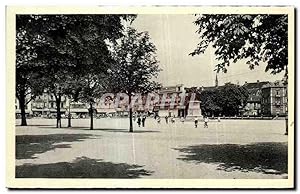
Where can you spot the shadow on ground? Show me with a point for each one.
(268, 158)
(82, 167)
(137, 130)
(29, 145)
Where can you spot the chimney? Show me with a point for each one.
(258, 81)
(246, 82)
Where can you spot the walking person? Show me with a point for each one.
(139, 121)
(205, 122)
(158, 119)
(143, 120)
(173, 119)
(167, 119)
(182, 120)
(196, 122)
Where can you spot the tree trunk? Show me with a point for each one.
(130, 115)
(58, 113)
(22, 105)
(287, 115)
(69, 120)
(69, 115)
(91, 115)
(286, 126)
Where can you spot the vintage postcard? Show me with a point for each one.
(150, 97)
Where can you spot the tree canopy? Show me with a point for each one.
(57, 47)
(224, 100)
(135, 66)
(256, 38)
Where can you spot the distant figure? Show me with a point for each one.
(139, 121)
(158, 120)
(143, 120)
(196, 122)
(206, 122)
(182, 120)
(167, 119)
(173, 119)
(219, 119)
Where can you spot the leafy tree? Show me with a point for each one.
(28, 85)
(90, 86)
(135, 68)
(226, 100)
(209, 102)
(257, 38)
(71, 43)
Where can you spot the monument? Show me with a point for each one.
(194, 109)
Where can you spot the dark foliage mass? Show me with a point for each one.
(57, 52)
(82, 167)
(226, 100)
(266, 157)
(256, 38)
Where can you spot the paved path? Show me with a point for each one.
(227, 149)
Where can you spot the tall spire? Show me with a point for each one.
(216, 82)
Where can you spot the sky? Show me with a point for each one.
(175, 37)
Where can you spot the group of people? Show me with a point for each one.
(182, 119)
(205, 122)
(141, 119)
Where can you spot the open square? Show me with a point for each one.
(230, 149)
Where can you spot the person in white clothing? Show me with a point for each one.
(206, 122)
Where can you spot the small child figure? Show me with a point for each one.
(167, 119)
(196, 122)
(182, 120)
(173, 120)
(206, 122)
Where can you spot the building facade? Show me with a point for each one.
(42, 106)
(254, 101)
(274, 99)
(169, 103)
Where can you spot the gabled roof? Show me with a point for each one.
(257, 85)
(274, 84)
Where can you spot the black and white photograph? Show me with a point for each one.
(182, 95)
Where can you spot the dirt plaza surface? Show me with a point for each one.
(230, 149)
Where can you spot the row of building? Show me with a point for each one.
(265, 98)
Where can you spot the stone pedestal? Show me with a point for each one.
(194, 109)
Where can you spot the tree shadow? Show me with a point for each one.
(29, 145)
(81, 167)
(267, 158)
